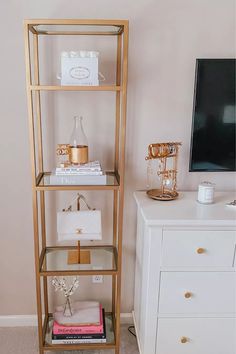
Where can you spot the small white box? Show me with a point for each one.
(79, 68)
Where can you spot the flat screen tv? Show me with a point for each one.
(214, 124)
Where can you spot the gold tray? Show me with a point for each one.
(158, 195)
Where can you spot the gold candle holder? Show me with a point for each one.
(68, 155)
(166, 154)
(79, 154)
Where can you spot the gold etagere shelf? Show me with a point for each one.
(51, 261)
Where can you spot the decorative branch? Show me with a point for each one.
(60, 285)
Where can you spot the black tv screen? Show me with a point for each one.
(213, 127)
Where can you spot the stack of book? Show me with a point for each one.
(92, 168)
(89, 173)
(86, 325)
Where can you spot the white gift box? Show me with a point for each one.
(79, 68)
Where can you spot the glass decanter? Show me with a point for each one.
(78, 143)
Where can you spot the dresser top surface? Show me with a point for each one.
(187, 211)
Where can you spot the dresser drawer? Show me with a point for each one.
(196, 336)
(198, 248)
(197, 293)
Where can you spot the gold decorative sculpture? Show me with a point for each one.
(166, 155)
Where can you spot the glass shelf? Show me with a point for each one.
(54, 261)
(75, 88)
(76, 27)
(49, 181)
(110, 343)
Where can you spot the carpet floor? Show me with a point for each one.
(23, 340)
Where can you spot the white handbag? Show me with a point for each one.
(79, 225)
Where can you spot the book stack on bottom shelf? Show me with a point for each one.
(86, 325)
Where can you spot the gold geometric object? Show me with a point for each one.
(78, 256)
(184, 340)
(84, 257)
(166, 154)
(188, 295)
(201, 250)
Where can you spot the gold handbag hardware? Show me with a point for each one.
(78, 198)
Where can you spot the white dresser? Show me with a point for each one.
(185, 280)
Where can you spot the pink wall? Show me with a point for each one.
(165, 39)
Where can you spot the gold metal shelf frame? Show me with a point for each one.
(112, 254)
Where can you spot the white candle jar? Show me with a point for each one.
(206, 193)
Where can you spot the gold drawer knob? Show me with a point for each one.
(188, 295)
(201, 250)
(184, 340)
(78, 231)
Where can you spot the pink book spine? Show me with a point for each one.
(60, 329)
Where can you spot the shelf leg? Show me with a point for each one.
(116, 167)
(121, 192)
(35, 201)
(40, 159)
(45, 284)
(115, 216)
(38, 280)
(118, 100)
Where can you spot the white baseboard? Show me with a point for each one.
(18, 321)
(137, 337)
(31, 320)
(126, 318)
